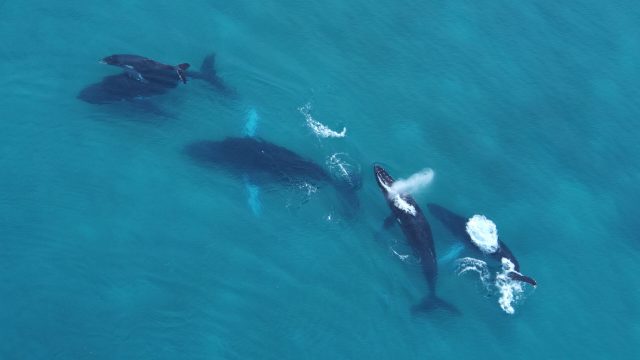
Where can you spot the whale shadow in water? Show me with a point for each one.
(266, 163)
(457, 224)
(145, 82)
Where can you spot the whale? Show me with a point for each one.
(260, 162)
(407, 214)
(143, 78)
(144, 69)
(457, 225)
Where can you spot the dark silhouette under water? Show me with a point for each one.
(265, 162)
(143, 78)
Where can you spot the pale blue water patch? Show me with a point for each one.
(115, 245)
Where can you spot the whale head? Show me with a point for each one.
(111, 60)
(383, 178)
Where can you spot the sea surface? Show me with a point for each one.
(115, 245)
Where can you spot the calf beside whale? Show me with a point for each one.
(143, 78)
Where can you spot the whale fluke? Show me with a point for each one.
(208, 73)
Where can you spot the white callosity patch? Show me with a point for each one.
(483, 233)
(403, 205)
(398, 201)
(319, 128)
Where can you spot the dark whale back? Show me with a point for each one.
(249, 155)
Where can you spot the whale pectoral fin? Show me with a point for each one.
(251, 123)
(453, 253)
(134, 74)
(389, 221)
(253, 196)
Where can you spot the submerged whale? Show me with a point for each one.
(458, 226)
(143, 78)
(265, 162)
(406, 212)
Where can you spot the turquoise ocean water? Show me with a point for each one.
(115, 245)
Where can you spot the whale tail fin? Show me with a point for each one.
(208, 73)
(208, 67)
(519, 277)
(433, 302)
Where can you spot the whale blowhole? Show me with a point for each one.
(483, 233)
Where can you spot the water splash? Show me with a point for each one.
(402, 187)
(483, 233)
(341, 167)
(319, 128)
(413, 183)
(309, 189)
(510, 290)
(469, 264)
(403, 252)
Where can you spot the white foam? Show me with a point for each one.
(403, 252)
(340, 166)
(483, 233)
(402, 257)
(319, 128)
(309, 188)
(510, 290)
(480, 267)
(413, 183)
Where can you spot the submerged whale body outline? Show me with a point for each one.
(265, 162)
(408, 215)
(154, 79)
